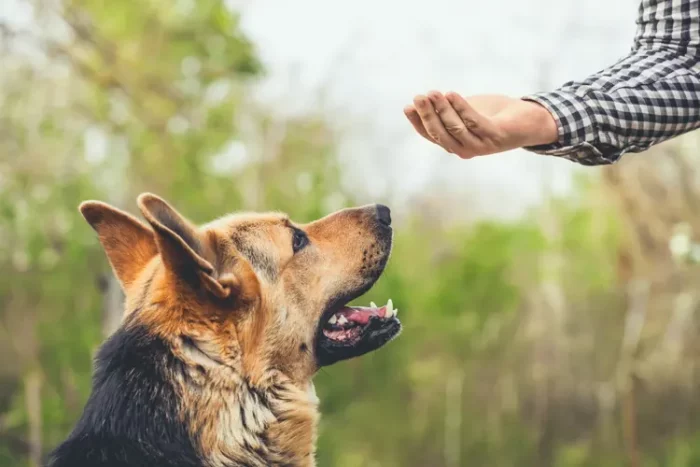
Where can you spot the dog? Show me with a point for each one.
(225, 326)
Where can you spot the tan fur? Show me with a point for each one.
(129, 244)
(243, 325)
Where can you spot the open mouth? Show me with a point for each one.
(353, 331)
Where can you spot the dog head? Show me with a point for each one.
(254, 290)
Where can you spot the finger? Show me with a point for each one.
(475, 122)
(433, 125)
(413, 117)
(453, 123)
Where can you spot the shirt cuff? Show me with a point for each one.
(577, 127)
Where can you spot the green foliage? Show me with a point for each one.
(154, 100)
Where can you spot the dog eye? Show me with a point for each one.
(299, 241)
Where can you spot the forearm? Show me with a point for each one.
(648, 97)
(596, 123)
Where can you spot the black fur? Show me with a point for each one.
(131, 418)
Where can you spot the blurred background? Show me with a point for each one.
(551, 312)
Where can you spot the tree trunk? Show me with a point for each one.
(32, 396)
(113, 311)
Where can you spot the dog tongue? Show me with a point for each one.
(361, 314)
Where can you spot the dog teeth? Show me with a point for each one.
(333, 319)
(373, 305)
(342, 320)
(389, 310)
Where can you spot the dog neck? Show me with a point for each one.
(269, 422)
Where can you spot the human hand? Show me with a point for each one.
(480, 125)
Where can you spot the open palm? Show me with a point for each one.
(480, 125)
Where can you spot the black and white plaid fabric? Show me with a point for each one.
(647, 97)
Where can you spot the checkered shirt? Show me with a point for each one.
(649, 96)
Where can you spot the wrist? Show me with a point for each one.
(542, 127)
(530, 124)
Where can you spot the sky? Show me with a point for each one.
(362, 61)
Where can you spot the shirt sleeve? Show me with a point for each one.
(649, 96)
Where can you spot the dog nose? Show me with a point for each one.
(384, 214)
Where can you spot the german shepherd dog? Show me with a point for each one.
(225, 326)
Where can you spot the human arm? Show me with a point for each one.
(647, 97)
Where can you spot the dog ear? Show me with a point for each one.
(182, 249)
(128, 243)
